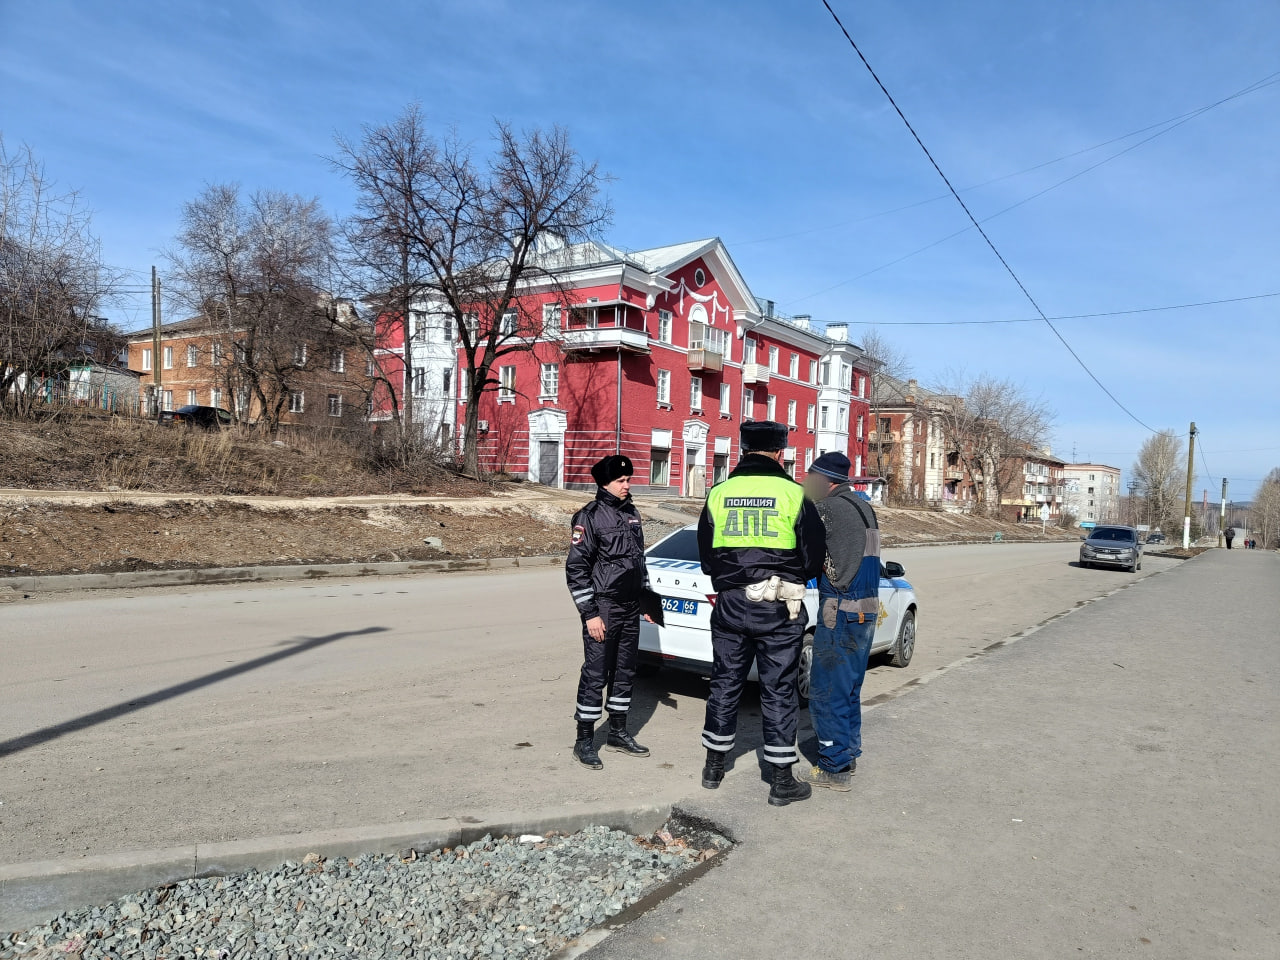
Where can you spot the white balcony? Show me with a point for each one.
(593, 339)
(755, 373)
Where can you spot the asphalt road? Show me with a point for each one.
(153, 718)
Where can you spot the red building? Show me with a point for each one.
(660, 355)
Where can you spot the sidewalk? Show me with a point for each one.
(1105, 787)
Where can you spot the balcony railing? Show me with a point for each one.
(755, 373)
(704, 356)
(606, 338)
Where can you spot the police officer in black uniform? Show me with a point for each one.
(606, 575)
(761, 542)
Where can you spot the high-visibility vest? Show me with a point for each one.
(756, 512)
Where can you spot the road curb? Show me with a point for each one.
(34, 892)
(205, 576)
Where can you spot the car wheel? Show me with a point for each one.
(806, 669)
(906, 642)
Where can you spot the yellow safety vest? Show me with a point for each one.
(755, 512)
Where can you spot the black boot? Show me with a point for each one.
(585, 746)
(713, 772)
(787, 788)
(620, 740)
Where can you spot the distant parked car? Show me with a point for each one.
(207, 418)
(1112, 546)
(1156, 537)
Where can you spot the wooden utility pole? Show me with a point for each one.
(1191, 473)
(1222, 512)
(156, 376)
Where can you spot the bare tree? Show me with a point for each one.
(887, 364)
(1266, 509)
(469, 237)
(52, 285)
(258, 268)
(992, 428)
(1160, 472)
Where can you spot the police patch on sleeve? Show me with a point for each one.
(578, 534)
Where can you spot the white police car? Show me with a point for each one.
(684, 643)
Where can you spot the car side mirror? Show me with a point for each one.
(894, 570)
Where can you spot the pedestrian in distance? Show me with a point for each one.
(1230, 535)
(760, 541)
(848, 609)
(606, 574)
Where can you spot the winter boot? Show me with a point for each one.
(818, 777)
(787, 788)
(621, 741)
(585, 747)
(713, 772)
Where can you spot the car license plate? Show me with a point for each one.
(688, 608)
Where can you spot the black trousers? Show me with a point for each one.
(609, 664)
(742, 631)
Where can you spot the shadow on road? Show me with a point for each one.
(303, 645)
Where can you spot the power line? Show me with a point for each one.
(1067, 316)
(1170, 124)
(972, 219)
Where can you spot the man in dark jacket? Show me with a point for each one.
(606, 573)
(848, 609)
(761, 542)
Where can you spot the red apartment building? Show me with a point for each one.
(660, 355)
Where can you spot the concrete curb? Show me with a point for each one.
(32, 893)
(197, 576)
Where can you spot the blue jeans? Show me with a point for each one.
(835, 686)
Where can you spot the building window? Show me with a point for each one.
(859, 426)
(719, 468)
(695, 394)
(551, 319)
(771, 407)
(370, 368)
(862, 386)
(167, 397)
(664, 326)
(446, 382)
(193, 355)
(420, 382)
(335, 404)
(749, 350)
(664, 386)
(338, 362)
(773, 359)
(748, 404)
(808, 459)
(299, 354)
(791, 413)
(215, 397)
(813, 371)
(724, 401)
(191, 398)
(699, 278)
(811, 417)
(215, 354)
(846, 376)
(550, 381)
(795, 366)
(168, 358)
(508, 326)
(507, 385)
(1090, 490)
(824, 420)
(146, 359)
(826, 373)
(659, 468)
(297, 401)
(885, 429)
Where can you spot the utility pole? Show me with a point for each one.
(1191, 473)
(1222, 512)
(156, 375)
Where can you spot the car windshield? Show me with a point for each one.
(682, 545)
(1112, 533)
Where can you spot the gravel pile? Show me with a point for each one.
(504, 898)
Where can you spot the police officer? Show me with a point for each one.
(606, 574)
(761, 542)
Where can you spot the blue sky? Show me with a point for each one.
(754, 121)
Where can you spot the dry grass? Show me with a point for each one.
(92, 453)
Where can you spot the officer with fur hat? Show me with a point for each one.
(761, 542)
(606, 573)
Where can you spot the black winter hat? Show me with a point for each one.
(834, 466)
(764, 436)
(611, 468)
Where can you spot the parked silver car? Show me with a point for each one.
(1112, 546)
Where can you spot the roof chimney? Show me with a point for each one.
(838, 332)
(802, 320)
